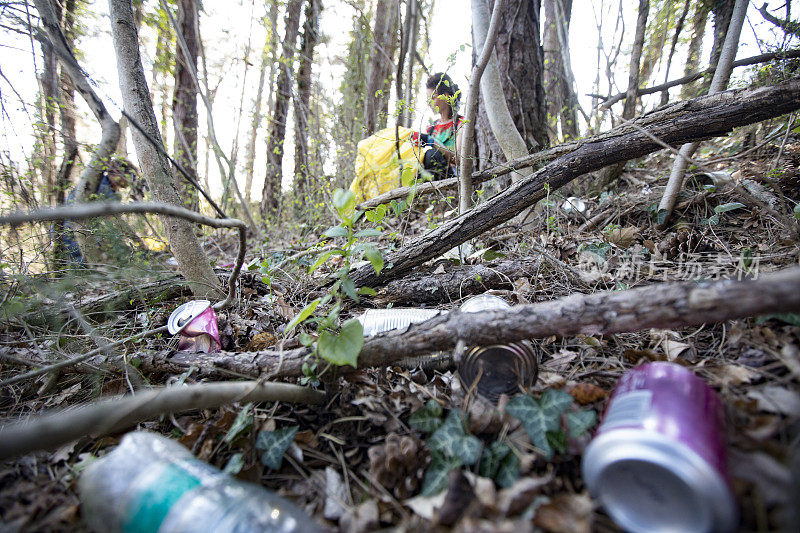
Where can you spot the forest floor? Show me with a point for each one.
(358, 463)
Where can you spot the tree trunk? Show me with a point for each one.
(154, 165)
(271, 195)
(723, 11)
(561, 102)
(302, 112)
(699, 19)
(379, 70)
(184, 101)
(520, 63)
(412, 25)
(610, 174)
(701, 118)
(267, 53)
(678, 29)
(724, 66)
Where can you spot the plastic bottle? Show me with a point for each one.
(150, 483)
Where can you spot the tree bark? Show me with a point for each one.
(61, 426)
(722, 74)
(250, 155)
(519, 60)
(302, 111)
(678, 29)
(699, 19)
(561, 102)
(191, 259)
(661, 306)
(379, 69)
(723, 11)
(484, 39)
(184, 101)
(456, 282)
(701, 118)
(271, 195)
(610, 174)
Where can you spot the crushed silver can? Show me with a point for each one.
(376, 321)
(658, 461)
(496, 369)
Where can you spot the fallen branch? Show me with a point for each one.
(457, 282)
(661, 306)
(106, 209)
(699, 118)
(109, 416)
(761, 58)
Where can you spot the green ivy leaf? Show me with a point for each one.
(797, 211)
(557, 440)
(274, 444)
(344, 202)
(428, 419)
(491, 458)
(302, 315)
(468, 449)
(342, 348)
(540, 417)
(508, 471)
(436, 476)
(724, 208)
(369, 232)
(234, 465)
(335, 231)
(374, 256)
(579, 422)
(243, 421)
(367, 291)
(443, 438)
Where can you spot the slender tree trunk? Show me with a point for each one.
(379, 70)
(48, 84)
(520, 62)
(154, 165)
(723, 11)
(184, 101)
(678, 29)
(610, 174)
(561, 101)
(302, 113)
(699, 19)
(266, 53)
(271, 195)
(412, 24)
(722, 74)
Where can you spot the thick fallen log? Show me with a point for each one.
(112, 415)
(456, 282)
(691, 120)
(662, 306)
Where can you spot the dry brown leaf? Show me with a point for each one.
(732, 375)
(334, 494)
(777, 399)
(568, 513)
(634, 356)
(522, 288)
(284, 309)
(622, 237)
(360, 519)
(261, 341)
(425, 506)
(586, 393)
(674, 349)
(514, 499)
(561, 360)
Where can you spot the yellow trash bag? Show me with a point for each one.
(377, 166)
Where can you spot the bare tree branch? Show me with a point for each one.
(112, 415)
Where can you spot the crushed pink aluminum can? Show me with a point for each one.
(197, 324)
(658, 461)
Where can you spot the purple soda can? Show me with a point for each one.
(658, 461)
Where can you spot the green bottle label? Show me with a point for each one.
(155, 501)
